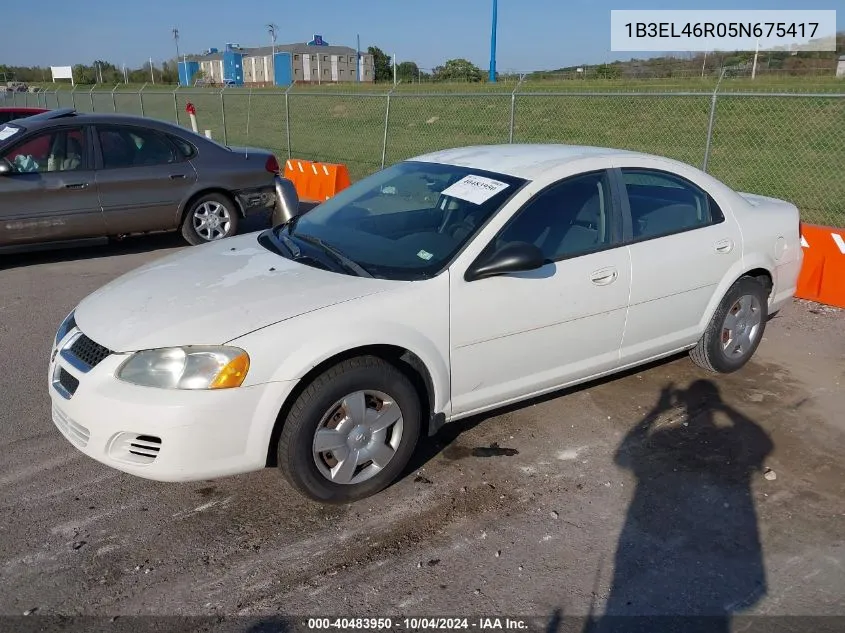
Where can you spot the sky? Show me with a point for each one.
(532, 34)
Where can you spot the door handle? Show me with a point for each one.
(604, 276)
(724, 246)
(77, 185)
(176, 176)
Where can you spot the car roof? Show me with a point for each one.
(522, 160)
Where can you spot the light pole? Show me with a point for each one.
(178, 71)
(493, 43)
(272, 29)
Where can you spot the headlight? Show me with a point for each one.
(186, 368)
(67, 325)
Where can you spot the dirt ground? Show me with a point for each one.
(664, 491)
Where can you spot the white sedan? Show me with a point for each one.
(443, 286)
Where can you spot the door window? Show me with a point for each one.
(134, 147)
(63, 149)
(570, 218)
(662, 204)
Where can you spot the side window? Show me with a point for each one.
(63, 149)
(662, 204)
(183, 147)
(134, 147)
(570, 218)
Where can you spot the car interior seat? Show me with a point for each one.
(587, 225)
(73, 155)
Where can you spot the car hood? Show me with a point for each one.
(211, 294)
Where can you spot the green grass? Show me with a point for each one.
(782, 146)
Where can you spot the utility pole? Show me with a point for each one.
(152, 75)
(178, 73)
(394, 69)
(493, 43)
(358, 58)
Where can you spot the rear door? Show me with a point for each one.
(50, 193)
(682, 246)
(142, 177)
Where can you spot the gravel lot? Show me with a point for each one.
(663, 491)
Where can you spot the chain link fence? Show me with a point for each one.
(786, 145)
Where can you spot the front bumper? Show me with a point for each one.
(161, 434)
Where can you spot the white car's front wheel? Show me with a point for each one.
(351, 432)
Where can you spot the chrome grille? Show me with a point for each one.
(88, 352)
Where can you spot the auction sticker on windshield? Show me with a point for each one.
(7, 131)
(475, 189)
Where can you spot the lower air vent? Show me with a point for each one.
(135, 449)
(75, 432)
(68, 383)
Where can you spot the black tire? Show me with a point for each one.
(710, 353)
(295, 451)
(195, 236)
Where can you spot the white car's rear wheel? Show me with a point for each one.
(351, 432)
(736, 329)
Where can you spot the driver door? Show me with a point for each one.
(521, 334)
(51, 193)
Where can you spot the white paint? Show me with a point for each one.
(555, 326)
(306, 67)
(804, 242)
(840, 243)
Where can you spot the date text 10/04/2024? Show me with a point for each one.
(417, 624)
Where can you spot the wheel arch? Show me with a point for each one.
(756, 270)
(183, 209)
(405, 360)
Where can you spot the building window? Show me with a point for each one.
(340, 58)
(296, 57)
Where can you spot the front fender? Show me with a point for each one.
(290, 349)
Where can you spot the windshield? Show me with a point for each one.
(405, 222)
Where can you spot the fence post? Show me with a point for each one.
(141, 98)
(287, 118)
(73, 97)
(513, 107)
(223, 114)
(248, 111)
(176, 106)
(386, 123)
(710, 123)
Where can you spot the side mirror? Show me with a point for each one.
(511, 258)
(287, 201)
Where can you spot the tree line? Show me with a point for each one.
(102, 71)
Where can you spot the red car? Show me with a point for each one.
(12, 113)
